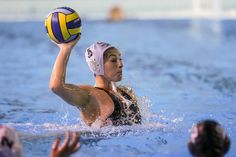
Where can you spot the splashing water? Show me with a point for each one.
(150, 122)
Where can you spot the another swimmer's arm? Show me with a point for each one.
(72, 94)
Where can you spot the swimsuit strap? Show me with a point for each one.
(109, 93)
(118, 106)
(115, 99)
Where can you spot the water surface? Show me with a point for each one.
(182, 71)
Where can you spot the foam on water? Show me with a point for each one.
(151, 122)
(144, 103)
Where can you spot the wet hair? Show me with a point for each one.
(211, 140)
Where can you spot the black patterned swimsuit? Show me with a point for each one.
(122, 114)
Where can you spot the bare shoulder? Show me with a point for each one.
(86, 87)
(90, 89)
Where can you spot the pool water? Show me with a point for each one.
(183, 71)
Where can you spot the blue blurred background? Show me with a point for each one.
(14, 10)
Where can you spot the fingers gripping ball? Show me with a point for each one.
(63, 25)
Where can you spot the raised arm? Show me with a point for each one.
(72, 94)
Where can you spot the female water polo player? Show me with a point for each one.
(104, 103)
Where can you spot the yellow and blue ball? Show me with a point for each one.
(63, 25)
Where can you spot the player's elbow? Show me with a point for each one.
(55, 88)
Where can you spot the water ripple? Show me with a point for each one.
(181, 72)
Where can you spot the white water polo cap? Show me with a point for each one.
(10, 145)
(94, 57)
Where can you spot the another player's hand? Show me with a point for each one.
(66, 149)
